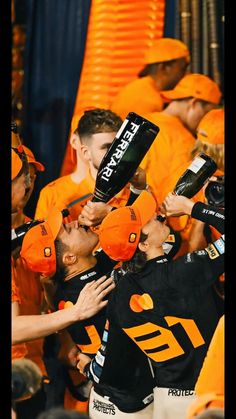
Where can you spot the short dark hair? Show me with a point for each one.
(139, 259)
(96, 121)
(61, 268)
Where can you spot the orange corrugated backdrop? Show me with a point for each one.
(119, 33)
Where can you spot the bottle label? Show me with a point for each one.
(119, 151)
(196, 164)
(122, 127)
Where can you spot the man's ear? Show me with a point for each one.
(143, 246)
(75, 141)
(85, 152)
(69, 258)
(192, 102)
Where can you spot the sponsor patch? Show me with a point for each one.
(171, 238)
(212, 251)
(132, 237)
(87, 276)
(43, 230)
(47, 252)
(200, 252)
(220, 245)
(177, 392)
(106, 408)
(132, 214)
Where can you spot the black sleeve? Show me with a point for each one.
(105, 262)
(209, 215)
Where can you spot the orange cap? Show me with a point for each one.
(194, 85)
(166, 49)
(16, 164)
(211, 128)
(120, 230)
(203, 402)
(31, 159)
(38, 248)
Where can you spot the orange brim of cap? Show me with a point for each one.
(54, 220)
(39, 166)
(38, 247)
(145, 204)
(120, 230)
(16, 164)
(169, 95)
(31, 159)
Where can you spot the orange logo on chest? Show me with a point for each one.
(139, 302)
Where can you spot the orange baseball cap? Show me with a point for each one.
(31, 159)
(166, 49)
(16, 164)
(38, 248)
(211, 128)
(194, 85)
(120, 230)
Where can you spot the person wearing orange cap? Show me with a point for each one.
(96, 131)
(165, 307)
(31, 295)
(165, 64)
(71, 257)
(27, 322)
(19, 183)
(190, 100)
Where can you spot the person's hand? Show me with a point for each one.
(90, 299)
(93, 213)
(138, 181)
(68, 349)
(176, 205)
(83, 360)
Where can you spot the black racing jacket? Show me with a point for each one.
(87, 333)
(168, 311)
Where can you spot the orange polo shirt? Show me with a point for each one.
(18, 351)
(65, 193)
(170, 149)
(140, 96)
(27, 290)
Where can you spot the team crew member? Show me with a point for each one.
(190, 100)
(92, 138)
(165, 307)
(165, 62)
(31, 295)
(75, 266)
(20, 184)
(90, 301)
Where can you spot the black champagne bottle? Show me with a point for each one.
(122, 159)
(193, 179)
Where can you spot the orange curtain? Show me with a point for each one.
(119, 33)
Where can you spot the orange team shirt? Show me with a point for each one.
(64, 193)
(170, 149)
(211, 377)
(140, 96)
(31, 298)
